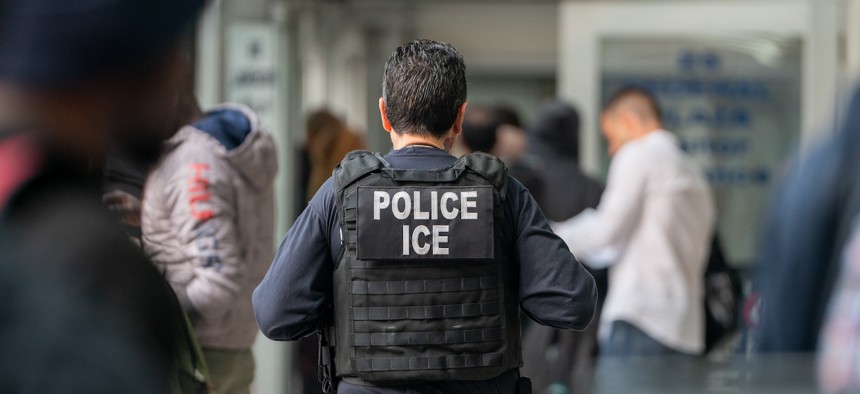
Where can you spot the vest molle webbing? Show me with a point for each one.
(424, 289)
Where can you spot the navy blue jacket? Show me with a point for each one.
(291, 302)
(813, 214)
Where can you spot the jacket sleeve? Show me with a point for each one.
(554, 288)
(202, 204)
(599, 235)
(294, 298)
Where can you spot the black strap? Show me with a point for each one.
(389, 264)
(427, 338)
(449, 174)
(524, 385)
(424, 286)
(434, 362)
(426, 312)
(354, 166)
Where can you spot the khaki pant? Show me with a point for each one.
(231, 371)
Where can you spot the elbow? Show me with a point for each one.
(276, 330)
(583, 319)
(266, 318)
(572, 312)
(584, 307)
(271, 321)
(589, 307)
(269, 328)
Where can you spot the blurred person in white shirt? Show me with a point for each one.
(653, 229)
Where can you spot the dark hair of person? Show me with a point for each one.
(423, 87)
(506, 114)
(479, 128)
(633, 90)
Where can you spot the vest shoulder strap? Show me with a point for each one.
(355, 165)
(490, 168)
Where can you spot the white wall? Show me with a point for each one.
(495, 37)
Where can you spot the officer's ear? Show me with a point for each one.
(382, 113)
(457, 128)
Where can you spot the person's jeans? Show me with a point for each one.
(626, 340)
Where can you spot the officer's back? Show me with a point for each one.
(412, 265)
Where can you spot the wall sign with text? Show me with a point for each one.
(733, 101)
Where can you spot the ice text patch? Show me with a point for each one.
(431, 222)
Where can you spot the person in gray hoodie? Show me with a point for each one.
(208, 223)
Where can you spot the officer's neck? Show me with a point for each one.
(400, 141)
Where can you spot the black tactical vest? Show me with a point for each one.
(425, 288)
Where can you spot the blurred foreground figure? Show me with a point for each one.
(653, 227)
(57, 340)
(555, 358)
(813, 218)
(811, 256)
(208, 224)
(403, 308)
(74, 79)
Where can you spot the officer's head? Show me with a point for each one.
(424, 92)
(629, 114)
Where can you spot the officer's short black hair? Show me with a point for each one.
(637, 91)
(423, 87)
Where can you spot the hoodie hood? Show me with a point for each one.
(556, 128)
(236, 134)
(230, 126)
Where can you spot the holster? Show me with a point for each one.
(326, 375)
(524, 385)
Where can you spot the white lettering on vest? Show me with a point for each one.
(406, 240)
(434, 205)
(403, 205)
(439, 238)
(452, 214)
(381, 201)
(466, 203)
(417, 202)
(395, 205)
(421, 250)
(437, 246)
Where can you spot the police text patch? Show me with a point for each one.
(425, 222)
